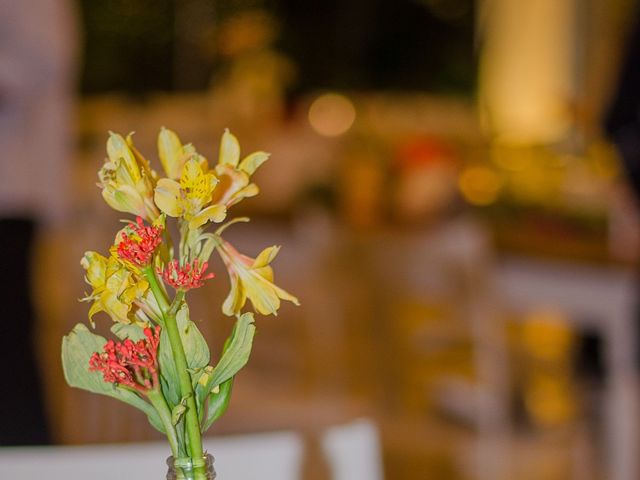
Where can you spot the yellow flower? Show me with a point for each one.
(191, 197)
(127, 180)
(234, 175)
(253, 279)
(173, 155)
(196, 193)
(116, 290)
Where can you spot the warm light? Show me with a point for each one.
(547, 335)
(513, 159)
(479, 185)
(527, 84)
(331, 114)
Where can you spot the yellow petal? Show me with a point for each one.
(124, 198)
(229, 149)
(196, 184)
(160, 221)
(170, 152)
(134, 289)
(252, 279)
(284, 295)
(143, 163)
(118, 150)
(266, 296)
(191, 172)
(95, 308)
(266, 257)
(251, 163)
(96, 267)
(189, 152)
(167, 197)
(124, 176)
(213, 213)
(262, 295)
(265, 272)
(204, 163)
(250, 190)
(231, 181)
(118, 281)
(236, 298)
(117, 310)
(113, 266)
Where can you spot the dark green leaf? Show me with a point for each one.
(235, 355)
(218, 403)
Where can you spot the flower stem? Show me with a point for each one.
(180, 359)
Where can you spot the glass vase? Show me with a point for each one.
(189, 469)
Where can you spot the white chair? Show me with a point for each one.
(353, 451)
(601, 299)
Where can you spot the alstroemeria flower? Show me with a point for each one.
(234, 175)
(191, 197)
(252, 279)
(173, 154)
(116, 290)
(126, 179)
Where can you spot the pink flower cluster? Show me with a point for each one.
(128, 363)
(138, 248)
(186, 277)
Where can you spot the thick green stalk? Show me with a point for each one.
(160, 404)
(180, 359)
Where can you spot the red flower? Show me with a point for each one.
(128, 363)
(186, 277)
(138, 245)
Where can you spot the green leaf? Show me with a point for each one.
(235, 354)
(208, 243)
(195, 345)
(218, 403)
(169, 381)
(177, 412)
(77, 348)
(195, 349)
(200, 382)
(131, 331)
(156, 423)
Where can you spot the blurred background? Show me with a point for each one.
(452, 184)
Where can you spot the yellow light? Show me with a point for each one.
(513, 159)
(332, 114)
(479, 185)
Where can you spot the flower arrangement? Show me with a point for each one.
(158, 361)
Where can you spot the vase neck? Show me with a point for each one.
(191, 469)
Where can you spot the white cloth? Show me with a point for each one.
(37, 56)
(352, 449)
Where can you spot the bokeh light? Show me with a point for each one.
(479, 185)
(332, 114)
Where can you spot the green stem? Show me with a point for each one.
(158, 292)
(231, 222)
(160, 404)
(180, 359)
